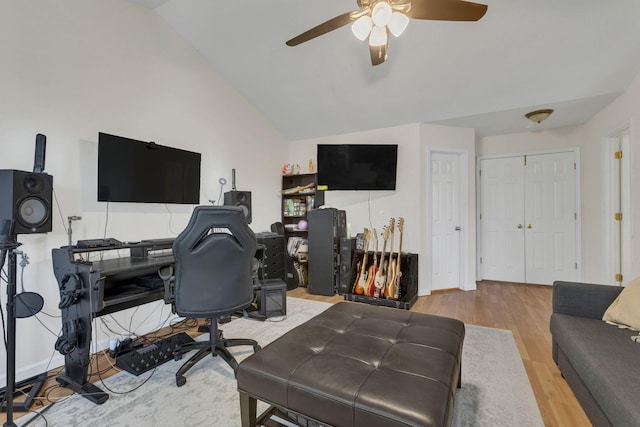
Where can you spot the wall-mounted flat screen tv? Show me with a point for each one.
(357, 166)
(137, 171)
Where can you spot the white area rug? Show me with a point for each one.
(495, 388)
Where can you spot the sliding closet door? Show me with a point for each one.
(501, 219)
(550, 218)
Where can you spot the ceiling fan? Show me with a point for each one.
(377, 18)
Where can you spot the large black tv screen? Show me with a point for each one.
(357, 166)
(137, 171)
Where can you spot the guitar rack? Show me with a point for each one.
(408, 285)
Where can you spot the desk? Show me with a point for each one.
(90, 289)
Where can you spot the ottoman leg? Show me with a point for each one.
(248, 407)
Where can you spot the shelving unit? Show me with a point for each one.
(299, 196)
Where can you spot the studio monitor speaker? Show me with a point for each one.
(25, 197)
(240, 198)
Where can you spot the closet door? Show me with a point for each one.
(501, 219)
(550, 218)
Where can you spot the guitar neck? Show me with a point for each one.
(401, 230)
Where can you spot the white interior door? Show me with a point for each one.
(501, 219)
(528, 218)
(550, 218)
(445, 221)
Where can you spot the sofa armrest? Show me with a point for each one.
(583, 299)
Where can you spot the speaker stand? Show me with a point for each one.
(9, 246)
(29, 387)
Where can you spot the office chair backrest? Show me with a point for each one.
(213, 263)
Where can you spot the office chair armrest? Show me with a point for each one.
(168, 278)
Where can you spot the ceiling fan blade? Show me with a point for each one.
(325, 27)
(378, 54)
(446, 10)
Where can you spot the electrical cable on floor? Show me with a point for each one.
(39, 414)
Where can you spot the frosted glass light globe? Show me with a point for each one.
(362, 27)
(381, 13)
(378, 36)
(398, 23)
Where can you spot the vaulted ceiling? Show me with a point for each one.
(574, 56)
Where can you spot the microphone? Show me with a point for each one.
(233, 180)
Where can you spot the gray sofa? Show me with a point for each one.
(599, 361)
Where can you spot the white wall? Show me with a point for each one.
(374, 208)
(73, 68)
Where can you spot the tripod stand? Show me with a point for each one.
(8, 245)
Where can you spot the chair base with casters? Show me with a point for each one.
(216, 346)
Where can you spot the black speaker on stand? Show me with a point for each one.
(242, 199)
(238, 198)
(26, 198)
(25, 208)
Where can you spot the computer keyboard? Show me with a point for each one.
(98, 243)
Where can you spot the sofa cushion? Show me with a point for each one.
(606, 359)
(625, 310)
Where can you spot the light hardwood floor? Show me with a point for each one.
(523, 309)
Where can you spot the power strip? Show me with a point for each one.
(143, 359)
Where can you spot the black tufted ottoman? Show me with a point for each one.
(358, 365)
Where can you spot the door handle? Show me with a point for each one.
(458, 228)
(520, 226)
(529, 226)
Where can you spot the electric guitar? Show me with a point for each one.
(394, 285)
(391, 271)
(373, 269)
(361, 280)
(381, 275)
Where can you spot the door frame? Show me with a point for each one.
(619, 262)
(465, 283)
(578, 201)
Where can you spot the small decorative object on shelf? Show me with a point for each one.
(287, 169)
(291, 169)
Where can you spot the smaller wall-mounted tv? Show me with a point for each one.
(357, 166)
(137, 171)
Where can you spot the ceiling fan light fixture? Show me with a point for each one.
(362, 27)
(378, 36)
(381, 13)
(398, 23)
(539, 116)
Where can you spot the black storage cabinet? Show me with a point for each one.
(273, 259)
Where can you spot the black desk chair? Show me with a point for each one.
(213, 278)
